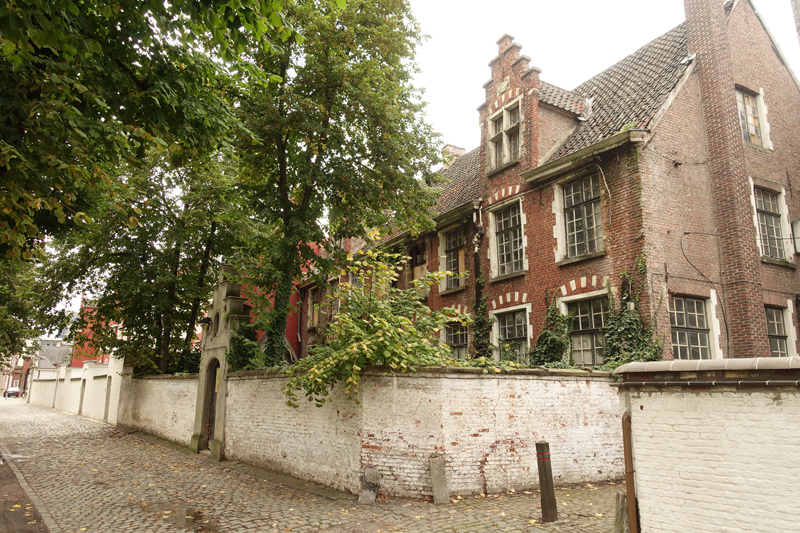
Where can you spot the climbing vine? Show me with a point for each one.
(553, 343)
(629, 335)
(482, 325)
(377, 324)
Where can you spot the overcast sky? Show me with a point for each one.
(570, 40)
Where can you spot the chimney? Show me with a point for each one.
(451, 153)
(514, 85)
(739, 255)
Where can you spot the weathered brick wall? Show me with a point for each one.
(318, 444)
(163, 406)
(554, 125)
(716, 460)
(484, 426)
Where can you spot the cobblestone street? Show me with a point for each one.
(87, 476)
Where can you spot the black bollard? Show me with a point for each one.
(549, 505)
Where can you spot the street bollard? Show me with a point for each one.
(549, 505)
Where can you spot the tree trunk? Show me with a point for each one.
(201, 279)
(276, 329)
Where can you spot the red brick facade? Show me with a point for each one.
(676, 183)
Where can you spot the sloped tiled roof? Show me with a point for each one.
(631, 91)
(53, 355)
(558, 97)
(463, 182)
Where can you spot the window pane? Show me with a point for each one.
(513, 145)
(584, 226)
(509, 240)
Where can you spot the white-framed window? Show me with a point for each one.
(454, 257)
(690, 328)
(753, 117)
(504, 135)
(507, 240)
(588, 341)
(419, 263)
(771, 218)
(777, 332)
(578, 230)
(582, 220)
(508, 234)
(456, 339)
(769, 224)
(511, 327)
(314, 304)
(513, 334)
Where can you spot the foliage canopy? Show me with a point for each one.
(376, 324)
(152, 277)
(342, 146)
(89, 85)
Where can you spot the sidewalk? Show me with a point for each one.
(88, 476)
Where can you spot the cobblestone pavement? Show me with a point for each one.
(89, 476)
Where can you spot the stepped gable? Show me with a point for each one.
(631, 91)
(463, 182)
(561, 98)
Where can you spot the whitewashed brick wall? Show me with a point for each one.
(319, 444)
(721, 460)
(163, 406)
(485, 426)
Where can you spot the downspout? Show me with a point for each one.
(627, 443)
(479, 231)
(299, 353)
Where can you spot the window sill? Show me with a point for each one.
(501, 168)
(570, 260)
(508, 276)
(778, 262)
(453, 290)
(759, 147)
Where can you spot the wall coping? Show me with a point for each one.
(170, 376)
(447, 372)
(744, 372)
(708, 365)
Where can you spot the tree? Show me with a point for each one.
(20, 318)
(151, 277)
(89, 85)
(342, 145)
(376, 324)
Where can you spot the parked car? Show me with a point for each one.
(12, 391)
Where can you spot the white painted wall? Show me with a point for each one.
(62, 390)
(718, 460)
(485, 426)
(42, 392)
(160, 405)
(320, 444)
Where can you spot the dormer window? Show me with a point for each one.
(504, 139)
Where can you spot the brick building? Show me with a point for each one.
(685, 153)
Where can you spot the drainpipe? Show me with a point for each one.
(627, 443)
(299, 353)
(479, 232)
